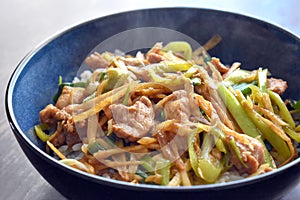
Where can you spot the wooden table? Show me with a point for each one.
(24, 24)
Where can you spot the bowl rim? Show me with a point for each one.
(116, 183)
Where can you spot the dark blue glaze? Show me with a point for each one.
(250, 41)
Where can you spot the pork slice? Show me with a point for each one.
(252, 153)
(140, 72)
(277, 85)
(70, 95)
(153, 55)
(134, 61)
(172, 147)
(50, 115)
(96, 61)
(133, 122)
(66, 130)
(156, 48)
(203, 88)
(178, 107)
(65, 137)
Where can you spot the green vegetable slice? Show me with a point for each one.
(209, 168)
(163, 166)
(180, 47)
(283, 111)
(192, 153)
(39, 131)
(95, 147)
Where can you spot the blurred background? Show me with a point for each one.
(25, 24)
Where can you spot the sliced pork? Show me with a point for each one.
(252, 154)
(153, 55)
(96, 61)
(277, 85)
(66, 130)
(178, 107)
(70, 95)
(133, 122)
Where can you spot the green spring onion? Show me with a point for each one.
(262, 79)
(95, 147)
(283, 111)
(39, 131)
(237, 112)
(148, 163)
(192, 153)
(127, 96)
(208, 167)
(237, 152)
(163, 167)
(244, 87)
(180, 47)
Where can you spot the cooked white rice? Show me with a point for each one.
(230, 176)
(83, 77)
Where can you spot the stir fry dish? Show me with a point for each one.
(171, 116)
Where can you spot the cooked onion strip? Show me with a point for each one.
(92, 128)
(79, 165)
(147, 140)
(275, 119)
(55, 150)
(233, 67)
(104, 103)
(205, 105)
(109, 152)
(176, 180)
(114, 164)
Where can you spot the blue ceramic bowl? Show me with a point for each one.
(252, 42)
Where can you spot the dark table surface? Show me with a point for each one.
(25, 24)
